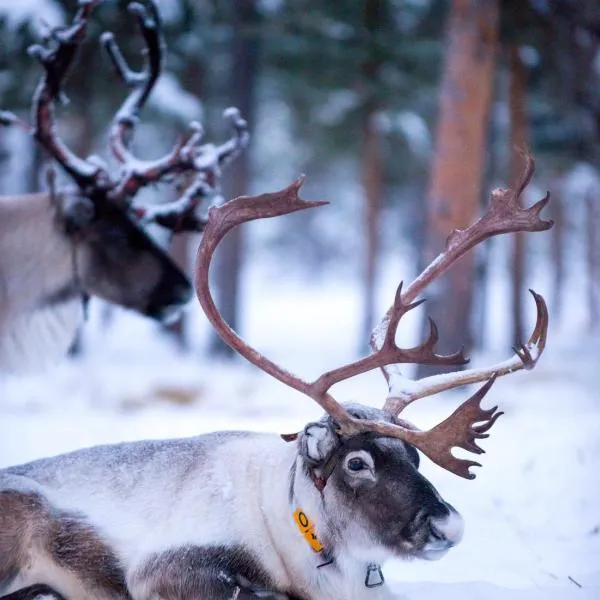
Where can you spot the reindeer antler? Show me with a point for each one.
(204, 161)
(503, 215)
(57, 59)
(186, 156)
(469, 422)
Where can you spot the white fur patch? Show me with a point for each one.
(30, 341)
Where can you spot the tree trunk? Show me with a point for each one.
(34, 173)
(518, 137)
(592, 200)
(237, 181)
(458, 164)
(371, 181)
(372, 172)
(482, 256)
(193, 79)
(557, 249)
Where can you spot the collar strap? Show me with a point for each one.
(373, 576)
(328, 467)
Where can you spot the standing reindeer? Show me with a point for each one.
(241, 515)
(58, 248)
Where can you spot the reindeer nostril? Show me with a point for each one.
(436, 533)
(448, 530)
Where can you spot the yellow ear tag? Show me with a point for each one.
(307, 529)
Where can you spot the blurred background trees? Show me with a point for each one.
(404, 113)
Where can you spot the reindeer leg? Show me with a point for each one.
(34, 592)
(202, 573)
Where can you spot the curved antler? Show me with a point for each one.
(504, 214)
(469, 422)
(57, 59)
(202, 161)
(141, 82)
(405, 391)
(436, 443)
(249, 208)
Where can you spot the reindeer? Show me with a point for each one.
(58, 248)
(241, 515)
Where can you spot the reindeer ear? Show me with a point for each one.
(317, 442)
(76, 212)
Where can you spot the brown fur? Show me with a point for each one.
(203, 573)
(18, 513)
(31, 532)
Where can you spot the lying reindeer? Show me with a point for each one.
(240, 515)
(58, 248)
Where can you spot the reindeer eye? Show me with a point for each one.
(356, 464)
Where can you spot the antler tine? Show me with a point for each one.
(57, 61)
(503, 215)
(526, 357)
(467, 424)
(460, 430)
(142, 82)
(398, 310)
(232, 147)
(540, 331)
(206, 161)
(428, 347)
(389, 353)
(186, 156)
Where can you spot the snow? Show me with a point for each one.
(170, 98)
(532, 514)
(37, 12)
(415, 130)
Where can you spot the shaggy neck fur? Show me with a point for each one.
(40, 308)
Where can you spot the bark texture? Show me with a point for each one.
(458, 164)
(518, 139)
(593, 256)
(237, 181)
(371, 170)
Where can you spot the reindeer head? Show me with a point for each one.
(114, 259)
(364, 461)
(113, 256)
(378, 500)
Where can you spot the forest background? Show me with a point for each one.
(404, 114)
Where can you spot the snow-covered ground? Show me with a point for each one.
(532, 513)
